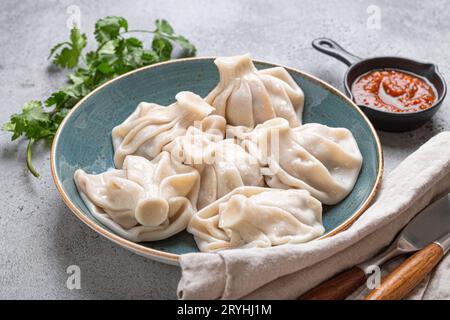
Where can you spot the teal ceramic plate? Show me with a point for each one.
(84, 139)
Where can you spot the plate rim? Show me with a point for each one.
(173, 258)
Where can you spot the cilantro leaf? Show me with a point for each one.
(115, 54)
(162, 47)
(149, 57)
(134, 42)
(57, 98)
(70, 54)
(109, 28)
(162, 26)
(56, 47)
(185, 44)
(33, 122)
(59, 116)
(165, 31)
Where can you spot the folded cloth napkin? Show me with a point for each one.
(287, 271)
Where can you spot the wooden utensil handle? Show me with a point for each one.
(338, 287)
(408, 275)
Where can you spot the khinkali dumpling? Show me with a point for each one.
(247, 97)
(323, 160)
(144, 201)
(223, 165)
(148, 129)
(252, 217)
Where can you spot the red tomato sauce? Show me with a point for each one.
(393, 90)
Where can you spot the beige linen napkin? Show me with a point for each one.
(286, 272)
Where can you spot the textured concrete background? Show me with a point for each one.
(40, 238)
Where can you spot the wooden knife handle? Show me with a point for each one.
(338, 287)
(408, 275)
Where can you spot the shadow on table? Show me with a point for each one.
(107, 270)
(411, 139)
(399, 145)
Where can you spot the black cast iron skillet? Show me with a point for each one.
(386, 120)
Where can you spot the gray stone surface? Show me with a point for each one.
(40, 237)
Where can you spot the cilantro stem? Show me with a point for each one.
(100, 47)
(30, 158)
(137, 31)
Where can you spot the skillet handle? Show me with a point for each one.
(333, 49)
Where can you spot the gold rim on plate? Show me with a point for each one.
(171, 257)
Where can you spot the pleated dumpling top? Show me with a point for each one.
(151, 126)
(323, 160)
(144, 201)
(246, 96)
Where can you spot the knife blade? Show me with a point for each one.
(430, 224)
(430, 232)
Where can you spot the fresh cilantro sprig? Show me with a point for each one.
(116, 54)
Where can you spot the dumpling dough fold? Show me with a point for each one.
(247, 97)
(151, 126)
(250, 217)
(223, 165)
(323, 160)
(144, 201)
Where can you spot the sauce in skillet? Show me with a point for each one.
(393, 90)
